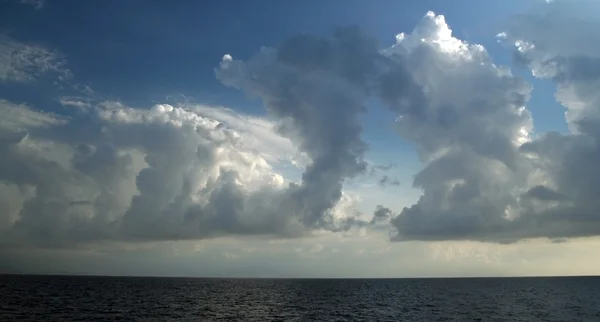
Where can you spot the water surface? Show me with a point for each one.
(70, 298)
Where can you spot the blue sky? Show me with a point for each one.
(107, 91)
(147, 52)
(142, 52)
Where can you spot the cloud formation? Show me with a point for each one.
(485, 178)
(161, 174)
(316, 89)
(386, 180)
(559, 43)
(466, 117)
(113, 172)
(467, 123)
(20, 62)
(37, 4)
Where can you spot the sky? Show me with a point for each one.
(300, 138)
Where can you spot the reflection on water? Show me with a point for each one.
(52, 298)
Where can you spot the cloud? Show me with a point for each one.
(559, 43)
(543, 193)
(386, 180)
(485, 178)
(381, 213)
(20, 62)
(75, 103)
(315, 89)
(191, 172)
(116, 173)
(112, 172)
(467, 119)
(17, 117)
(373, 169)
(259, 133)
(37, 4)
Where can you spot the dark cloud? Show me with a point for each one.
(169, 173)
(112, 172)
(381, 213)
(317, 89)
(386, 180)
(117, 173)
(544, 193)
(374, 169)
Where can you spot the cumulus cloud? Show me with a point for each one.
(18, 117)
(259, 134)
(112, 172)
(316, 89)
(167, 173)
(467, 119)
(115, 172)
(485, 178)
(20, 62)
(158, 174)
(560, 43)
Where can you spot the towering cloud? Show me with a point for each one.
(316, 88)
(158, 174)
(560, 43)
(465, 115)
(467, 122)
(485, 178)
(112, 172)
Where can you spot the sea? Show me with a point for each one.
(86, 298)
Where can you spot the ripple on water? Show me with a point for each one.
(53, 298)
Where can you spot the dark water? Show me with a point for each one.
(53, 298)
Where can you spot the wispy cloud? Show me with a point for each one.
(19, 117)
(37, 4)
(75, 102)
(20, 62)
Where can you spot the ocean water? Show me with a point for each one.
(69, 298)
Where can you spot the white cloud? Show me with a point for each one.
(484, 178)
(192, 172)
(467, 121)
(562, 45)
(75, 102)
(16, 117)
(20, 62)
(131, 174)
(257, 134)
